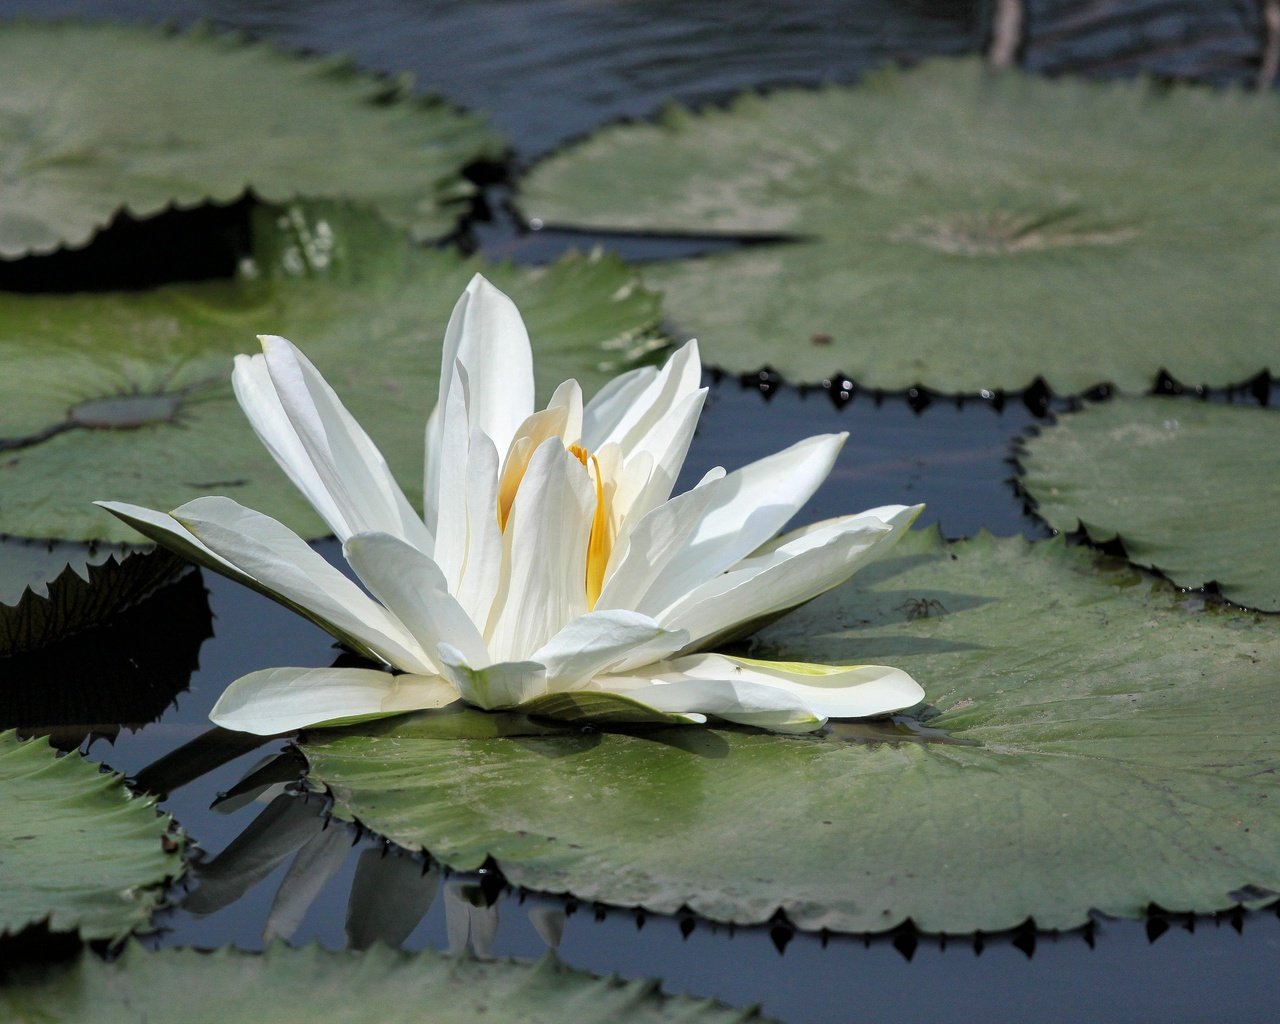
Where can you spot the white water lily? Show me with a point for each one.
(552, 571)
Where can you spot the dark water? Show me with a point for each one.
(548, 70)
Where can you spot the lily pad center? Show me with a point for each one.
(125, 412)
(1001, 232)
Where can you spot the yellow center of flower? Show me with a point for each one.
(601, 541)
(603, 529)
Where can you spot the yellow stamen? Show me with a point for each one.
(600, 545)
(580, 453)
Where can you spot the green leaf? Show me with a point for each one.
(308, 984)
(77, 851)
(1188, 488)
(128, 396)
(956, 227)
(1094, 744)
(102, 118)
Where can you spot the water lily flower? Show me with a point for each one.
(552, 571)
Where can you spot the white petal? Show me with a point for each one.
(837, 691)
(483, 568)
(600, 641)
(285, 567)
(745, 509)
(168, 532)
(544, 554)
(741, 701)
(346, 460)
(642, 424)
(488, 339)
(279, 700)
(502, 685)
(257, 397)
(668, 444)
(414, 589)
(601, 416)
(568, 396)
(768, 585)
(450, 526)
(653, 541)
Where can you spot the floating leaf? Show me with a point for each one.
(104, 652)
(1096, 745)
(77, 851)
(956, 227)
(1189, 488)
(303, 985)
(128, 397)
(100, 118)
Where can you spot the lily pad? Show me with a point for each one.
(956, 227)
(308, 984)
(1189, 488)
(128, 396)
(102, 118)
(77, 851)
(1093, 743)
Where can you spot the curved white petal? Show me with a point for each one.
(667, 444)
(837, 691)
(286, 568)
(487, 337)
(414, 589)
(450, 527)
(168, 532)
(284, 699)
(601, 415)
(483, 569)
(346, 460)
(568, 396)
(644, 553)
(599, 642)
(778, 581)
(544, 555)
(642, 425)
(257, 397)
(501, 685)
(744, 510)
(734, 700)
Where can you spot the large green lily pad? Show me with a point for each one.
(304, 985)
(1189, 488)
(103, 118)
(1092, 743)
(957, 227)
(77, 851)
(128, 397)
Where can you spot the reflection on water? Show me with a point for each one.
(1178, 967)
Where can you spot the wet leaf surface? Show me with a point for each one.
(1189, 488)
(104, 118)
(127, 396)
(302, 985)
(954, 227)
(1107, 746)
(77, 851)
